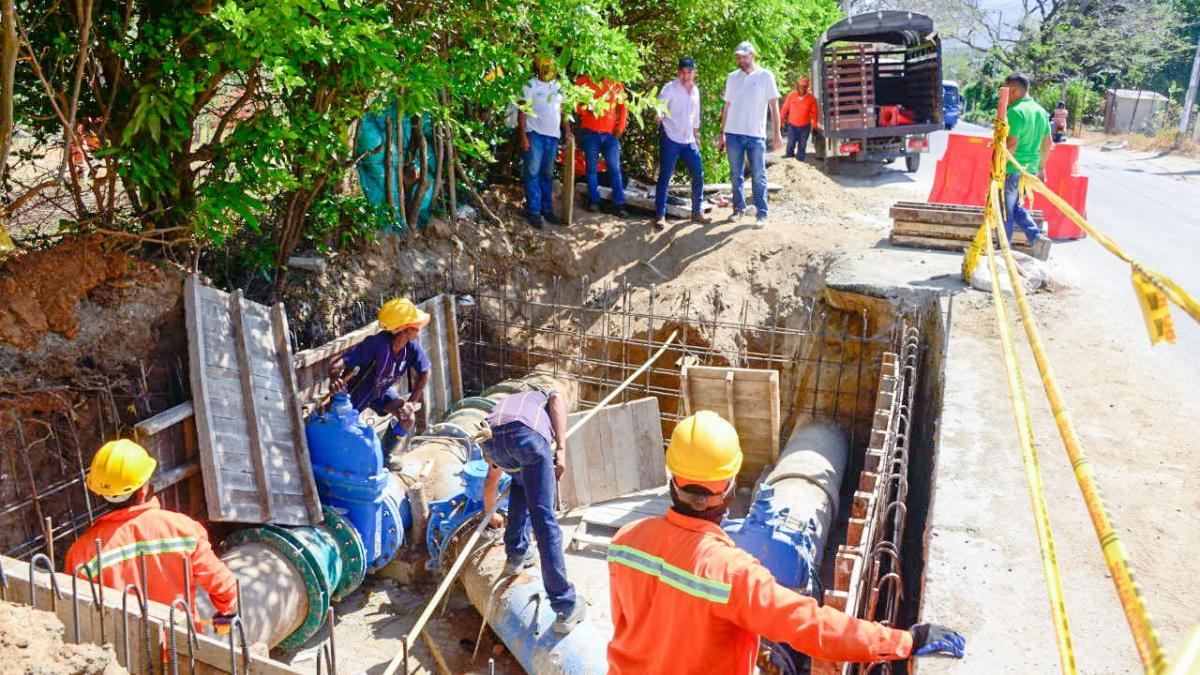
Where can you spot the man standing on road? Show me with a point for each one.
(1029, 142)
(538, 133)
(749, 92)
(680, 139)
(602, 123)
(800, 114)
(523, 426)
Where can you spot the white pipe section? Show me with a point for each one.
(808, 477)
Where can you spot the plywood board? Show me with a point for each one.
(253, 454)
(617, 452)
(746, 397)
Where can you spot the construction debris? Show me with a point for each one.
(944, 227)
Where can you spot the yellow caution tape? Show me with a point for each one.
(1170, 290)
(1033, 472)
(1155, 309)
(1115, 555)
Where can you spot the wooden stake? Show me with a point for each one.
(568, 183)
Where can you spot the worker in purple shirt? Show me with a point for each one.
(371, 371)
(523, 427)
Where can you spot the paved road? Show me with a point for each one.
(1150, 205)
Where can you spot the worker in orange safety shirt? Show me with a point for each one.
(799, 112)
(686, 600)
(120, 473)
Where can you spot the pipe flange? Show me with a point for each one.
(506, 387)
(304, 562)
(473, 402)
(351, 550)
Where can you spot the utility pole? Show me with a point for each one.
(1190, 99)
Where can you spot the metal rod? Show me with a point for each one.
(137, 592)
(56, 594)
(191, 635)
(145, 609)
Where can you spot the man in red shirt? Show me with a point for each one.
(602, 123)
(800, 114)
(120, 473)
(686, 600)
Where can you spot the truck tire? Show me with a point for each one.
(912, 162)
(818, 141)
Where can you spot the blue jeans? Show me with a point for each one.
(750, 149)
(538, 174)
(1014, 212)
(797, 142)
(594, 143)
(669, 154)
(531, 497)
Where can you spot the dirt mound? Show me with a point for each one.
(805, 183)
(31, 642)
(79, 304)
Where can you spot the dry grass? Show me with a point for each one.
(1163, 141)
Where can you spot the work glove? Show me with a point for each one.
(223, 622)
(930, 638)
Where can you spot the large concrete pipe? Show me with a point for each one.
(274, 600)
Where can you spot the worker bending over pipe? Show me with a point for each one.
(686, 600)
(523, 426)
(120, 473)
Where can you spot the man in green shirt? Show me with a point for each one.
(1029, 142)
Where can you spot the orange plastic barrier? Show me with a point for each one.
(961, 177)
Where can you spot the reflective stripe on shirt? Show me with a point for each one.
(153, 547)
(697, 586)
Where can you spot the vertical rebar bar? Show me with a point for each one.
(650, 333)
(837, 389)
(504, 324)
(862, 356)
(581, 328)
(820, 358)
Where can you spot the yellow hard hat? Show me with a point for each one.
(119, 468)
(399, 313)
(704, 447)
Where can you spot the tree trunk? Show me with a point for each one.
(8, 68)
(421, 152)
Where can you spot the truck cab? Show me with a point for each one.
(952, 103)
(879, 88)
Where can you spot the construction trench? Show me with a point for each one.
(859, 398)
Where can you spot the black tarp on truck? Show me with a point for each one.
(879, 85)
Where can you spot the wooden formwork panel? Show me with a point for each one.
(746, 397)
(253, 453)
(849, 591)
(616, 452)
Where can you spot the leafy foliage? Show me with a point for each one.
(233, 121)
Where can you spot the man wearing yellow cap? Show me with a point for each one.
(120, 473)
(686, 600)
(382, 359)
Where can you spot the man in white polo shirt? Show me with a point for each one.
(749, 92)
(538, 133)
(680, 139)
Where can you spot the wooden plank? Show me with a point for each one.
(253, 455)
(617, 452)
(162, 421)
(568, 196)
(450, 311)
(249, 400)
(938, 244)
(200, 394)
(748, 398)
(937, 231)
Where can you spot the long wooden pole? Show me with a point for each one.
(411, 638)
